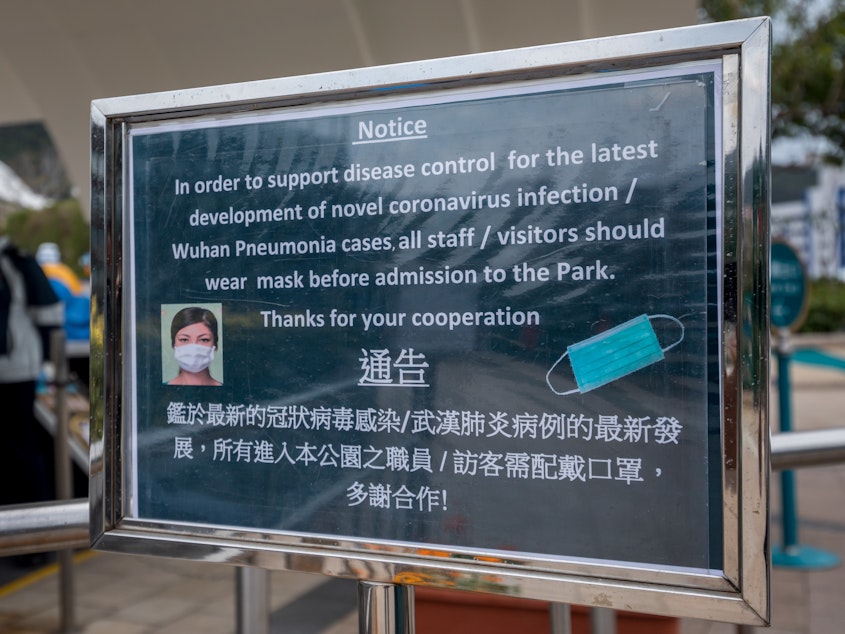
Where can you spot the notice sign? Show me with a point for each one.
(478, 318)
(496, 322)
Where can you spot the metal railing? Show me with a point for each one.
(48, 526)
(799, 449)
(43, 527)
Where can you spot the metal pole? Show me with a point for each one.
(253, 601)
(405, 614)
(792, 554)
(43, 526)
(385, 608)
(787, 478)
(64, 475)
(560, 616)
(64, 471)
(808, 448)
(602, 621)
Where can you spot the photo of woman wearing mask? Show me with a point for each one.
(194, 339)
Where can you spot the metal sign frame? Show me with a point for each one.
(739, 592)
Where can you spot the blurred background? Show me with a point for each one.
(55, 57)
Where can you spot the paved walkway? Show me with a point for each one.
(125, 594)
(122, 594)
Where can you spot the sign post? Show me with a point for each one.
(449, 323)
(385, 608)
(790, 299)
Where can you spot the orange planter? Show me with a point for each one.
(458, 612)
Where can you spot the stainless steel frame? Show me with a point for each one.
(739, 593)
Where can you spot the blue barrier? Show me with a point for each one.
(811, 356)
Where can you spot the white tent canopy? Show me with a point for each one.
(55, 57)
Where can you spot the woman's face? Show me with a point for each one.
(197, 333)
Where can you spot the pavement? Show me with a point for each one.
(807, 601)
(129, 594)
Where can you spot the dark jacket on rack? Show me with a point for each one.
(29, 309)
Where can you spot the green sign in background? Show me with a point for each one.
(789, 288)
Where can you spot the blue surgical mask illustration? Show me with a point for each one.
(614, 353)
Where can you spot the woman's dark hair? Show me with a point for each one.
(193, 315)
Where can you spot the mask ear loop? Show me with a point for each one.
(549, 373)
(651, 317)
(678, 322)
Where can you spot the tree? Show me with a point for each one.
(63, 223)
(808, 65)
